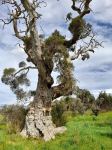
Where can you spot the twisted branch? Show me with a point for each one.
(79, 10)
(83, 51)
(23, 69)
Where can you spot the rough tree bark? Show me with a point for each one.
(38, 120)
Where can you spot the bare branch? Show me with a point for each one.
(84, 50)
(83, 9)
(86, 8)
(25, 13)
(25, 68)
(78, 10)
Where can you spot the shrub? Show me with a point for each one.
(78, 106)
(15, 117)
(57, 115)
(65, 109)
(95, 110)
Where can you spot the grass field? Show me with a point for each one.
(84, 133)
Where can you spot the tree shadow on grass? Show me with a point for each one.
(108, 134)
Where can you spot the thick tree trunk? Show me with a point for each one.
(39, 120)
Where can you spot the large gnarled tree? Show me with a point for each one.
(46, 54)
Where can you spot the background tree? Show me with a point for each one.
(47, 54)
(86, 98)
(104, 101)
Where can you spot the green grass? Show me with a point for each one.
(84, 133)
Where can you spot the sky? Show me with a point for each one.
(94, 74)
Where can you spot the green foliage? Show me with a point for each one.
(9, 71)
(15, 117)
(69, 16)
(16, 82)
(86, 97)
(78, 107)
(8, 75)
(68, 115)
(55, 39)
(57, 114)
(95, 109)
(22, 64)
(104, 101)
(76, 25)
(73, 105)
(55, 43)
(65, 109)
(23, 80)
(79, 28)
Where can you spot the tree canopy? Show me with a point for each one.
(51, 53)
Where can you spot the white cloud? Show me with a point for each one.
(102, 10)
(95, 73)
